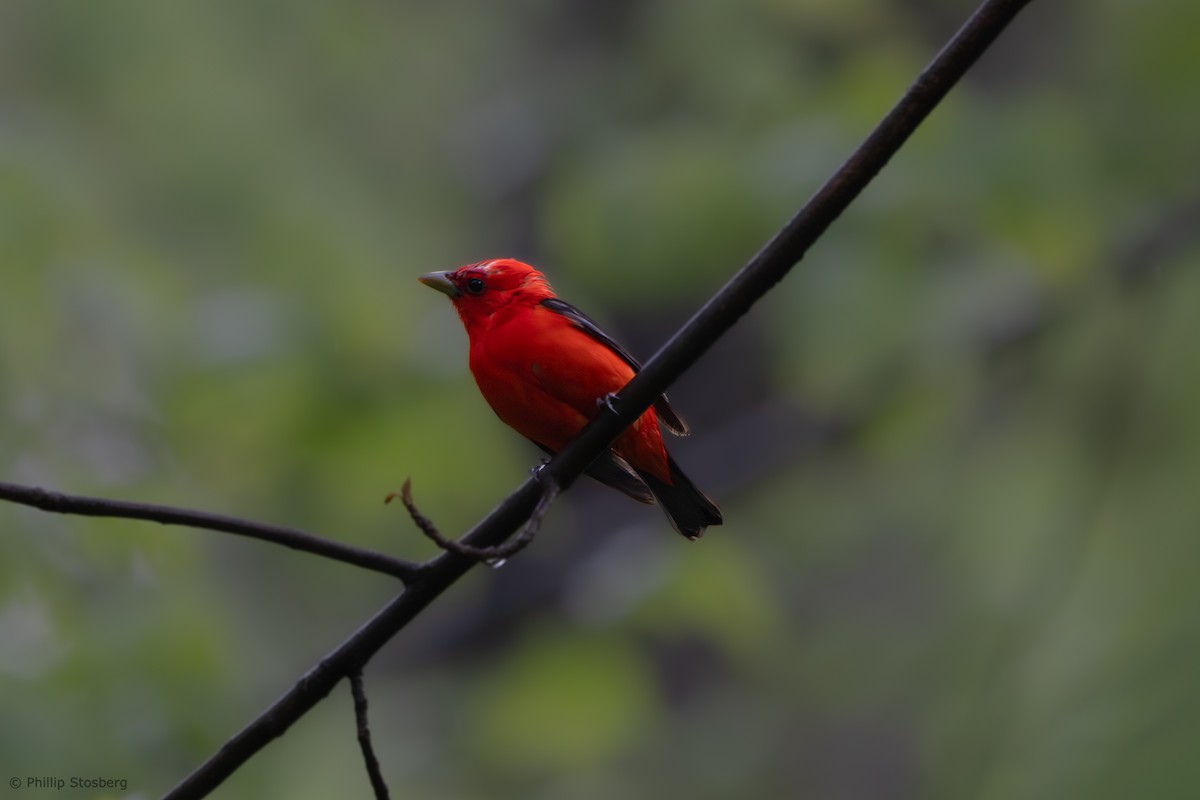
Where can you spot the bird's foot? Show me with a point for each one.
(609, 401)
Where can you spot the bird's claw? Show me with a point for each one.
(609, 401)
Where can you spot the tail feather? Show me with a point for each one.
(688, 508)
(612, 470)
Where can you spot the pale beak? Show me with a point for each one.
(440, 281)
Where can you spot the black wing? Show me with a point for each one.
(662, 407)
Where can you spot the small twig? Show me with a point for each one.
(289, 537)
(364, 736)
(492, 556)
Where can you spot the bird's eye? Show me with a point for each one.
(474, 286)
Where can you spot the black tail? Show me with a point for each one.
(688, 508)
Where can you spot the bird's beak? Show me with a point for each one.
(440, 281)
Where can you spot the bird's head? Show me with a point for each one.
(484, 287)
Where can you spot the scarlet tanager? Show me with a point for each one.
(545, 368)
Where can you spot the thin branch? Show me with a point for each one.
(766, 269)
(364, 736)
(492, 556)
(166, 515)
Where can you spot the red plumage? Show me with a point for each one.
(543, 366)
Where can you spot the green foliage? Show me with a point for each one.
(594, 694)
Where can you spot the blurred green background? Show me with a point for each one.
(957, 450)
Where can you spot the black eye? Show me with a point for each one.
(474, 286)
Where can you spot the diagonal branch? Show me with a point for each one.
(786, 248)
(766, 269)
(278, 534)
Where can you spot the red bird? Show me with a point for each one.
(544, 367)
